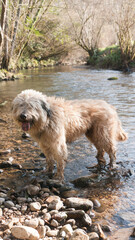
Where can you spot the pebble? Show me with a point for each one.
(9, 204)
(52, 233)
(2, 200)
(55, 205)
(72, 222)
(42, 231)
(54, 223)
(47, 216)
(32, 222)
(67, 229)
(59, 216)
(24, 208)
(35, 206)
(23, 232)
(79, 203)
(3, 195)
(79, 234)
(96, 203)
(1, 212)
(33, 190)
(86, 220)
(21, 200)
(93, 236)
(52, 198)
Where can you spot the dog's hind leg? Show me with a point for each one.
(100, 157)
(112, 156)
(100, 151)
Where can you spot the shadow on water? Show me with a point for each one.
(116, 192)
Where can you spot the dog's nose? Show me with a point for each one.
(23, 116)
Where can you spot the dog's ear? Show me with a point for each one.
(46, 108)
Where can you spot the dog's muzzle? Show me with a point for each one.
(26, 124)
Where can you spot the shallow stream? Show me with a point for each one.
(118, 196)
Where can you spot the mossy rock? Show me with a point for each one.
(112, 78)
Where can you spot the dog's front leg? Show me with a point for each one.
(49, 159)
(61, 158)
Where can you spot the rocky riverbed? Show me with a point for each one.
(38, 212)
(33, 206)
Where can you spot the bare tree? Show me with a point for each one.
(124, 22)
(87, 20)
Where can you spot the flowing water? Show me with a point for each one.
(118, 197)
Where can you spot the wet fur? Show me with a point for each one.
(56, 121)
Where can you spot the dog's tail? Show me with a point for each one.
(121, 134)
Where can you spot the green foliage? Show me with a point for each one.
(109, 57)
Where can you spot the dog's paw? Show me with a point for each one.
(59, 177)
(113, 166)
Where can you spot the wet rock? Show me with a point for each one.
(9, 204)
(25, 135)
(96, 203)
(32, 222)
(93, 236)
(42, 155)
(52, 233)
(23, 232)
(33, 190)
(75, 214)
(4, 152)
(86, 220)
(54, 183)
(85, 181)
(100, 232)
(79, 234)
(106, 228)
(9, 164)
(69, 193)
(91, 213)
(79, 203)
(35, 206)
(112, 78)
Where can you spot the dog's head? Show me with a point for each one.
(30, 109)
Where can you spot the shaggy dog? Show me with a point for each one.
(54, 122)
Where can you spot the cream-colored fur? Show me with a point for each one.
(53, 122)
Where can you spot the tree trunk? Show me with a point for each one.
(2, 21)
(15, 28)
(5, 59)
